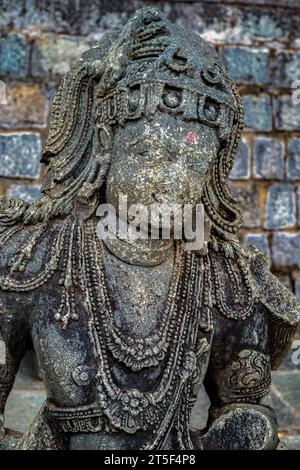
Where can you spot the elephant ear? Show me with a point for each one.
(282, 306)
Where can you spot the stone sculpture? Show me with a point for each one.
(126, 333)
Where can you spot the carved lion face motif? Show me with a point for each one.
(165, 160)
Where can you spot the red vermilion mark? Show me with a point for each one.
(191, 137)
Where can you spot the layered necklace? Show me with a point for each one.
(173, 340)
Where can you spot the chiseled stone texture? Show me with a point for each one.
(281, 206)
(258, 113)
(20, 153)
(268, 158)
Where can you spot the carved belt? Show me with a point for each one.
(87, 418)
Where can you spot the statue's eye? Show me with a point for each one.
(172, 98)
(210, 111)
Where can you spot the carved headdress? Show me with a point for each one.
(150, 65)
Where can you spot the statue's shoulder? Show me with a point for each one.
(24, 247)
(244, 289)
(282, 305)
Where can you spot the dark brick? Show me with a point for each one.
(258, 114)
(241, 168)
(286, 113)
(293, 160)
(286, 68)
(247, 65)
(268, 158)
(20, 154)
(14, 56)
(281, 206)
(286, 250)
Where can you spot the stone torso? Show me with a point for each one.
(138, 293)
(148, 313)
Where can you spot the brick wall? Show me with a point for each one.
(260, 43)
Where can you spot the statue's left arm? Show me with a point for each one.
(14, 307)
(13, 345)
(239, 375)
(238, 382)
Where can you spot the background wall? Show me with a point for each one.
(260, 44)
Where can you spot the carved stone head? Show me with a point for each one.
(149, 113)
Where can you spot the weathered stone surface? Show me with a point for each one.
(260, 240)
(286, 249)
(27, 193)
(20, 154)
(293, 159)
(25, 106)
(286, 113)
(280, 206)
(247, 65)
(53, 55)
(241, 167)
(268, 158)
(258, 114)
(14, 56)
